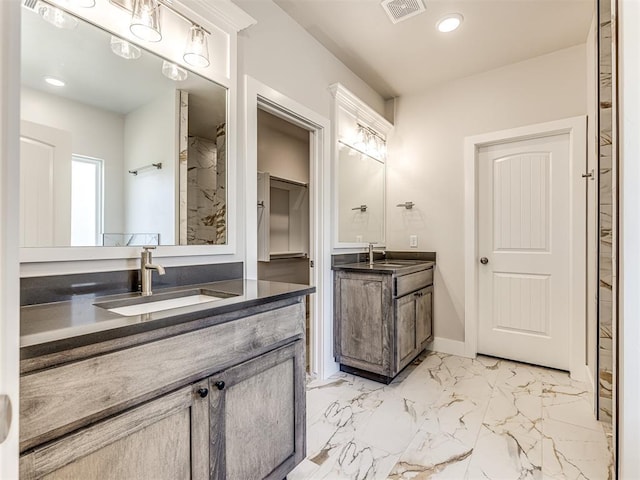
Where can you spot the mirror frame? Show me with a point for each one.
(223, 71)
(347, 110)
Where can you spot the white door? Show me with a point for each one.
(45, 186)
(523, 248)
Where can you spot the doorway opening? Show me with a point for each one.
(284, 163)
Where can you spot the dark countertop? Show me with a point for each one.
(390, 266)
(49, 327)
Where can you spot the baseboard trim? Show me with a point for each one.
(446, 345)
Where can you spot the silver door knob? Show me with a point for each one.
(484, 260)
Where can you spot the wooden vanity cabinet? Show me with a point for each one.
(382, 321)
(243, 419)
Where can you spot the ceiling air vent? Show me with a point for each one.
(30, 4)
(399, 10)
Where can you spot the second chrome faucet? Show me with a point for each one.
(146, 269)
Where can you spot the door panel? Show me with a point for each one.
(406, 327)
(424, 315)
(258, 415)
(45, 186)
(149, 441)
(363, 336)
(524, 234)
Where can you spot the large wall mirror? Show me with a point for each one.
(117, 151)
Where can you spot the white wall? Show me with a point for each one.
(283, 148)
(425, 160)
(151, 136)
(629, 333)
(281, 54)
(95, 133)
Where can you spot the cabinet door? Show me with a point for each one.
(150, 441)
(363, 322)
(405, 329)
(257, 416)
(424, 316)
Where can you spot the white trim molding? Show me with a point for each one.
(9, 232)
(576, 127)
(225, 10)
(448, 346)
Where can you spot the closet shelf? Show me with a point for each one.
(287, 255)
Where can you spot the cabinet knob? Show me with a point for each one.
(219, 384)
(203, 392)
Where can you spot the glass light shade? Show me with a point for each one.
(173, 71)
(124, 49)
(145, 20)
(196, 52)
(57, 17)
(360, 140)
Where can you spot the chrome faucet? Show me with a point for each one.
(146, 269)
(371, 254)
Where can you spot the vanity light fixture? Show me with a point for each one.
(145, 20)
(369, 142)
(57, 17)
(196, 52)
(173, 71)
(124, 49)
(145, 24)
(55, 82)
(449, 23)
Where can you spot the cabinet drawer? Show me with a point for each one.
(61, 399)
(411, 283)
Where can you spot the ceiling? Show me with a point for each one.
(410, 56)
(95, 76)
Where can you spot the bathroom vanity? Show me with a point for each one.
(382, 315)
(211, 390)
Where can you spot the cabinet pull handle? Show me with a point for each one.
(219, 384)
(203, 392)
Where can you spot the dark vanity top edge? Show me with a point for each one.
(348, 258)
(54, 327)
(411, 266)
(59, 288)
(359, 262)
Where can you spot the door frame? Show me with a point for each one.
(259, 95)
(576, 127)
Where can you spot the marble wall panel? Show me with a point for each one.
(607, 179)
(206, 190)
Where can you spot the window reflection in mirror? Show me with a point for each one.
(120, 155)
(360, 197)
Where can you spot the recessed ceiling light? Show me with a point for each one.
(449, 23)
(56, 82)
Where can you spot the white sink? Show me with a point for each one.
(158, 306)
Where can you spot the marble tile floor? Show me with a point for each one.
(448, 417)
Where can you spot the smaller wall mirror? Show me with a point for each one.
(119, 147)
(359, 171)
(360, 197)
